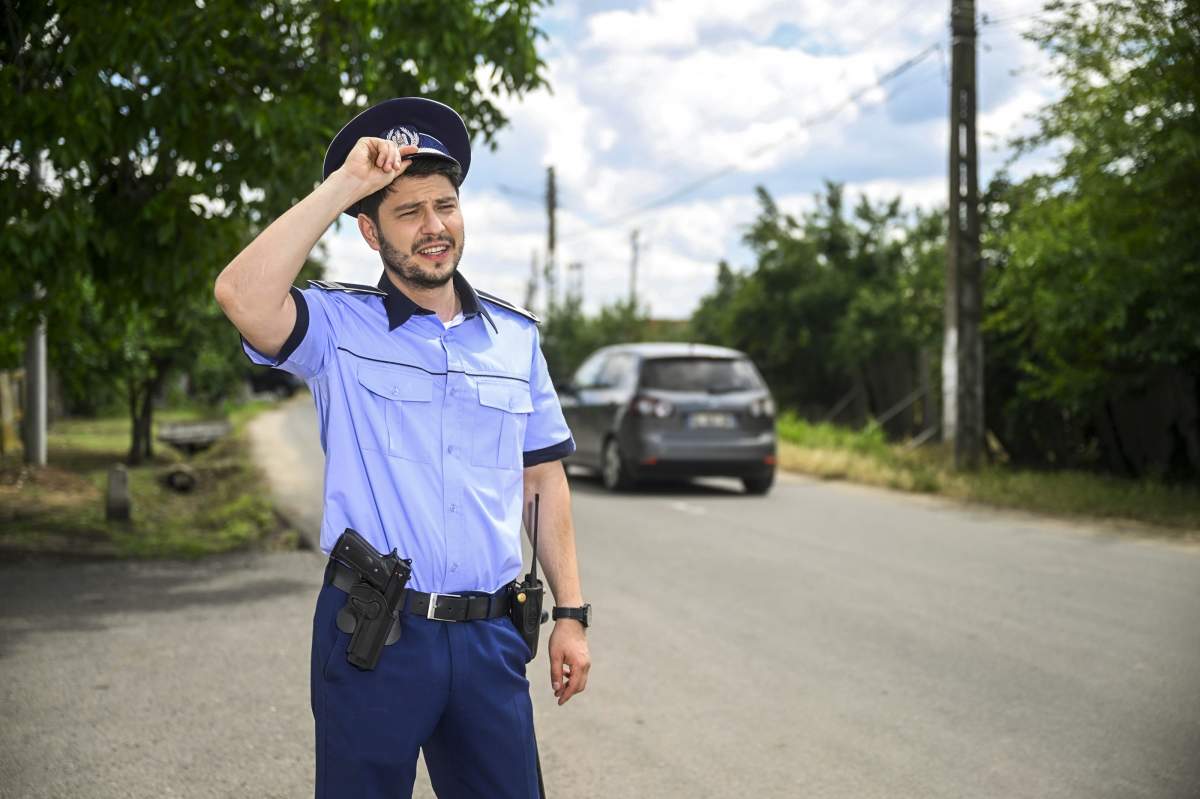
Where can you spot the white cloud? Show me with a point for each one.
(927, 192)
(705, 109)
(816, 25)
(650, 99)
(679, 250)
(348, 259)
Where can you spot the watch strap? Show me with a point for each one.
(579, 614)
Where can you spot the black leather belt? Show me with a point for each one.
(439, 607)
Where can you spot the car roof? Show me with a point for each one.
(674, 349)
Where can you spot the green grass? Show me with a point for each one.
(865, 456)
(59, 510)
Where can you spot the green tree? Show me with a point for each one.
(142, 145)
(835, 298)
(1099, 273)
(569, 336)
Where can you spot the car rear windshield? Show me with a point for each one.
(714, 375)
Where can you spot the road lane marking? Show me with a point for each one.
(687, 507)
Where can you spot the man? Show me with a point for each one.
(439, 424)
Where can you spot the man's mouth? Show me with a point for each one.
(435, 251)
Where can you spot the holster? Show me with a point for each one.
(525, 610)
(371, 615)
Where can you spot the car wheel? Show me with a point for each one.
(759, 485)
(612, 469)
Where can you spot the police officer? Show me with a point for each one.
(439, 423)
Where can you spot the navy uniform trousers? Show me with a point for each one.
(457, 691)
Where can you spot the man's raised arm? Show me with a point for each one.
(253, 290)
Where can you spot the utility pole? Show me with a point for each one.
(633, 264)
(34, 415)
(550, 265)
(575, 281)
(962, 355)
(532, 285)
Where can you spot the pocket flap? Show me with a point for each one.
(507, 396)
(394, 385)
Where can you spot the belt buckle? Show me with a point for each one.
(431, 611)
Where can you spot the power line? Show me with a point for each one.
(986, 21)
(869, 39)
(815, 119)
(524, 194)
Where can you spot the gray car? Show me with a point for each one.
(671, 410)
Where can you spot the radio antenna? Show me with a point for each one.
(537, 501)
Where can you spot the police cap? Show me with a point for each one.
(435, 128)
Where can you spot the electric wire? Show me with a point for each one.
(811, 121)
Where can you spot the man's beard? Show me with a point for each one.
(406, 268)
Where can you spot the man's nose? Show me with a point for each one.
(431, 222)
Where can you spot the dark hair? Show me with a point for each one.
(417, 168)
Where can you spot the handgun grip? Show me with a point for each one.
(354, 550)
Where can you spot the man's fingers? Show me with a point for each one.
(575, 682)
(556, 675)
(401, 153)
(383, 155)
(580, 678)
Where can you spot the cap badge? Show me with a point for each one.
(403, 136)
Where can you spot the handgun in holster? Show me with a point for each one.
(371, 614)
(525, 609)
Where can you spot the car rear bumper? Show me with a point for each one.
(748, 455)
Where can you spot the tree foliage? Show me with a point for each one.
(1100, 274)
(568, 336)
(1092, 268)
(832, 294)
(143, 144)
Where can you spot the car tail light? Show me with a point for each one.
(763, 406)
(652, 406)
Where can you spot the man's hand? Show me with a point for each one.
(373, 164)
(569, 659)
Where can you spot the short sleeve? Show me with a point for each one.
(306, 350)
(547, 437)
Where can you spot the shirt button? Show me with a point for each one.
(453, 507)
(450, 450)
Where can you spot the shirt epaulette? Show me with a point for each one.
(353, 288)
(530, 315)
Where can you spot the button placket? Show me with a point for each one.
(454, 430)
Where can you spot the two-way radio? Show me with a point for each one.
(525, 610)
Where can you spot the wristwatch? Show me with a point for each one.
(583, 614)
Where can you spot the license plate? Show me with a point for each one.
(708, 420)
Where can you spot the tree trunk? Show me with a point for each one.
(141, 409)
(146, 418)
(135, 444)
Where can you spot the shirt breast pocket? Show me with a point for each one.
(399, 414)
(500, 419)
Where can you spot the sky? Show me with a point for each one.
(647, 99)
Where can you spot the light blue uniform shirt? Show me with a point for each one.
(426, 429)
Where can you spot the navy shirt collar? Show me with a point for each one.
(400, 307)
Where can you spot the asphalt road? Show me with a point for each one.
(824, 641)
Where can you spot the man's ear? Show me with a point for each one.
(367, 228)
